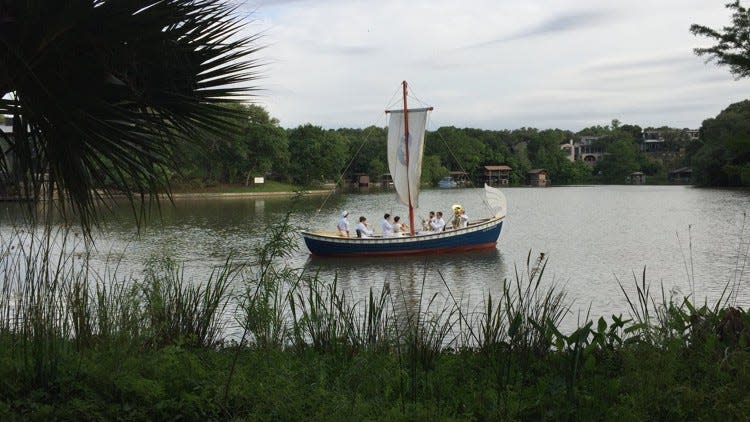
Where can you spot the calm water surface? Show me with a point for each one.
(593, 235)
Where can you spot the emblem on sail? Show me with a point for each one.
(406, 169)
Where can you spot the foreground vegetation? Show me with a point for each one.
(265, 341)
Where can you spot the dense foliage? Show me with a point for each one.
(255, 146)
(310, 155)
(639, 381)
(318, 155)
(722, 158)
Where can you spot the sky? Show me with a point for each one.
(491, 64)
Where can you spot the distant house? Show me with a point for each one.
(655, 141)
(538, 177)
(682, 176)
(590, 150)
(693, 134)
(496, 175)
(587, 149)
(637, 178)
(652, 145)
(569, 150)
(386, 180)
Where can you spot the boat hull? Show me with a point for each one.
(483, 235)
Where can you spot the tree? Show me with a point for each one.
(633, 132)
(217, 158)
(319, 155)
(544, 151)
(432, 169)
(107, 89)
(620, 162)
(267, 148)
(456, 149)
(733, 47)
(723, 159)
(368, 150)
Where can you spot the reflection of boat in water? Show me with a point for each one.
(405, 148)
(447, 182)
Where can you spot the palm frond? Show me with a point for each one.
(105, 91)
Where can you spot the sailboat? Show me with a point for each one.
(406, 129)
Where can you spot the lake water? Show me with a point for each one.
(592, 236)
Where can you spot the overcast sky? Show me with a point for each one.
(492, 64)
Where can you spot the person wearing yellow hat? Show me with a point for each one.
(455, 221)
(460, 219)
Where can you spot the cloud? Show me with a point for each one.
(640, 62)
(556, 24)
(347, 50)
(566, 64)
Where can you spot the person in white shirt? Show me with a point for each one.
(362, 229)
(343, 225)
(463, 219)
(399, 228)
(427, 224)
(385, 226)
(439, 223)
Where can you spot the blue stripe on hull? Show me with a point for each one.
(483, 236)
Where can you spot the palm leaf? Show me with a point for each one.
(104, 92)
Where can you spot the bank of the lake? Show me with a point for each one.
(74, 347)
(269, 188)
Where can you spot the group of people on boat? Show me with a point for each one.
(389, 226)
(392, 227)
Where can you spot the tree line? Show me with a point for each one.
(309, 155)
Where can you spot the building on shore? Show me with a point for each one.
(636, 178)
(538, 178)
(681, 176)
(496, 175)
(360, 180)
(588, 149)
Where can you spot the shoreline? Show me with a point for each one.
(193, 195)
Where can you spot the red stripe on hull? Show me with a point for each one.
(463, 248)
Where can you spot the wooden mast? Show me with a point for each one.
(406, 141)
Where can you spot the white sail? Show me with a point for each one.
(406, 171)
(495, 199)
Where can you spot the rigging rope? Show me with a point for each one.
(356, 154)
(458, 162)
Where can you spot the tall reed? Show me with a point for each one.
(180, 311)
(525, 317)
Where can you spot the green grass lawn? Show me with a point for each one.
(269, 186)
